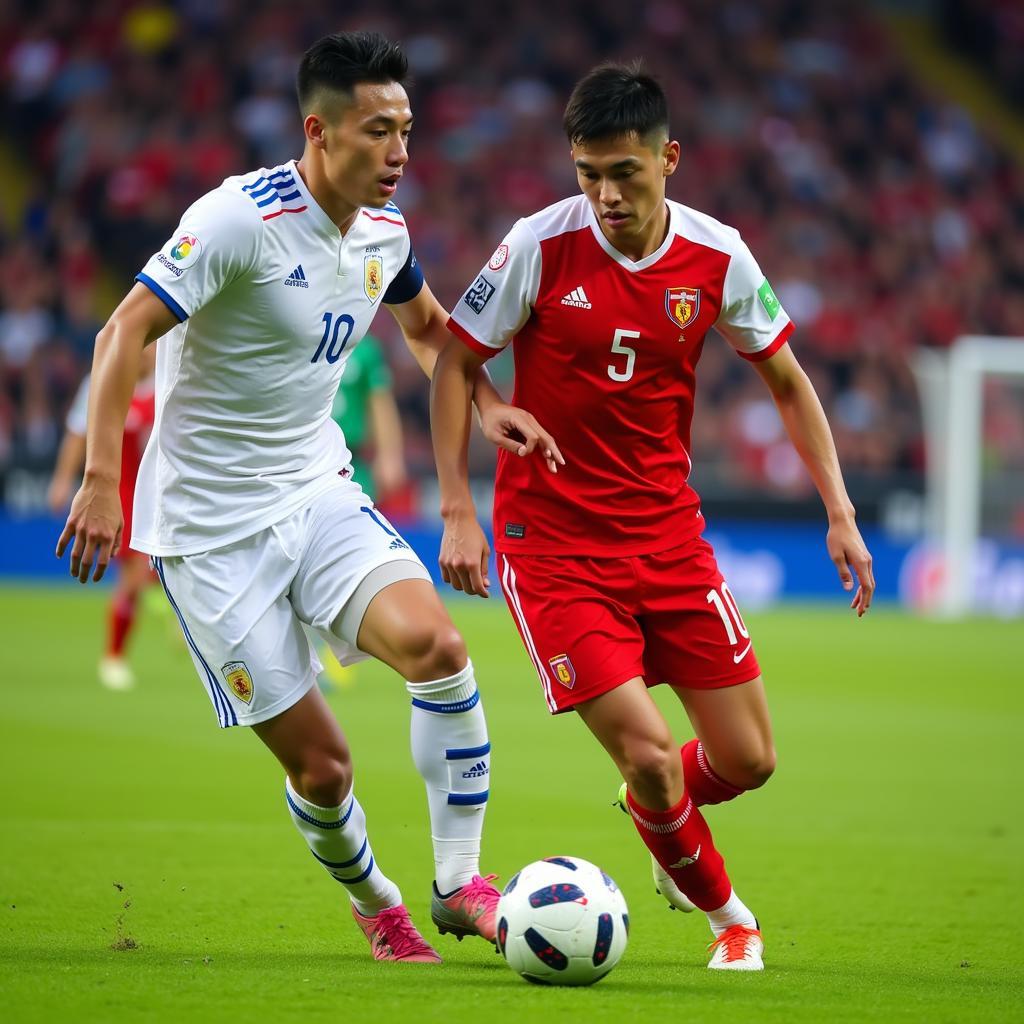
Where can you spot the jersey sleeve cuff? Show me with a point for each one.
(780, 339)
(163, 295)
(469, 341)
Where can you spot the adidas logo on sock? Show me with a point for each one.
(297, 278)
(478, 770)
(578, 298)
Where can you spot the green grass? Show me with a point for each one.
(883, 858)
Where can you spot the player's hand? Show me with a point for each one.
(95, 522)
(848, 551)
(516, 430)
(464, 555)
(388, 476)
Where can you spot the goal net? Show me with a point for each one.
(972, 401)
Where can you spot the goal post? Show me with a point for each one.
(951, 383)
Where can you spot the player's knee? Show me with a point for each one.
(754, 768)
(435, 654)
(652, 771)
(324, 779)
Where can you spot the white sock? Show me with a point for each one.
(733, 911)
(337, 838)
(451, 751)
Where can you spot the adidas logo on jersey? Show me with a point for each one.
(578, 298)
(478, 770)
(297, 278)
(398, 545)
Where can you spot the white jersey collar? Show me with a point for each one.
(316, 211)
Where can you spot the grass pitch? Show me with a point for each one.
(148, 870)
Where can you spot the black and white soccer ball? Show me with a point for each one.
(562, 921)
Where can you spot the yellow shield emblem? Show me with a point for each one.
(682, 305)
(373, 277)
(236, 675)
(563, 670)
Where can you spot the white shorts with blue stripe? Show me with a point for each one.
(242, 607)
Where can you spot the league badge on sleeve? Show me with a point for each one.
(373, 277)
(682, 305)
(236, 675)
(479, 294)
(497, 261)
(562, 670)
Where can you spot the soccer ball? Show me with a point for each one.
(562, 921)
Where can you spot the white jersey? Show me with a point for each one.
(272, 300)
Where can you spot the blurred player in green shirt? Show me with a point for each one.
(365, 410)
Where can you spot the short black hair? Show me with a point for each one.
(615, 100)
(338, 63)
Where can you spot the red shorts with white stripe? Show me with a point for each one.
(591, 624)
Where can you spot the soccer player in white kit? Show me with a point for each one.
(245, 499)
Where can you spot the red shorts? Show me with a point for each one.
(591, 624)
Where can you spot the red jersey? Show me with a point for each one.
(606, 352)
(138, 425)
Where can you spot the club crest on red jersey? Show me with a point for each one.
(682, 305)
(562, 670)
(237, 677)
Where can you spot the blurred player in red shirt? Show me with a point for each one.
(134, 573)
(609, 297)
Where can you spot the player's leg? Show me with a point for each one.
(366, 592)
(133, 574)
(255, 661)
(406, 626)
(630, 727)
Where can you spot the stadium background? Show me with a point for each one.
(871, 156)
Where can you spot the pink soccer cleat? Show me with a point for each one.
(393, 936)
(469, 910)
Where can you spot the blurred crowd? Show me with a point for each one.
(884, 220)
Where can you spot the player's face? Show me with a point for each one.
(365, 144)
(624, 179)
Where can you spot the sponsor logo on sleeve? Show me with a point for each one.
(562, 670)
(497, 261)
(373, 276)
(236, 675)
(682, 305)
(768, 300)
(479, 294)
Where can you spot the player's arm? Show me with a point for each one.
(95, 519)
(464, 548)
(423, 321)
(809, 431)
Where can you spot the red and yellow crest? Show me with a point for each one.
(236, 675)
(682, 305)
(373, 277)
(561, 668)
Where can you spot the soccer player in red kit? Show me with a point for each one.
(608, 297)
(134, 573)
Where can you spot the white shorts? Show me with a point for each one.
(242, 607)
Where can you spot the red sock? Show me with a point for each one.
(703, 783)
(681, 834)
(119, 624)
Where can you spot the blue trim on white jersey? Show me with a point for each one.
(448, 709)
(162, 294)
(464, 753)
(468, 799)
(300, 813)
(225, 712)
